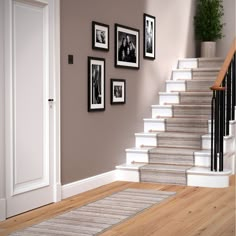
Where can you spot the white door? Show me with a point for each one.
(30, 116)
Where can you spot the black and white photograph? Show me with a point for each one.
(100, 34)
(126, 47)
(96, 84)
(118, 91)
(149, 36)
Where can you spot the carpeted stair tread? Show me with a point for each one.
(187, 125)
(165, 168)
(168, 174)
(173, 156)
(173, 150)
(179, 135)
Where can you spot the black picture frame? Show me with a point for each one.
(118, 91)
(149, 36)
(96, 84)
(100, 36)
(127, 47)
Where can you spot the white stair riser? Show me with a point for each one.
(204, 161)
(228, 143)
(209, 126)
(145, 141)
(207, 181)
(188, 64)
(168, 98)
(161, 112)
(136, 157)
(176, 75)
(154, 126)
(230, 163)
(128, 175)
(173, 86)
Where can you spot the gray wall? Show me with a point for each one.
(229, 30)
(94, 143)
(1, 100)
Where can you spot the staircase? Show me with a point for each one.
(175, 145)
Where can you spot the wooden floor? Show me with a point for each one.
(193, 211)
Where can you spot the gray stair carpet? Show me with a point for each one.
(168, 174)
(187, 125)
(192, 110)
(96, 217)
(179, 139)
(172, 156)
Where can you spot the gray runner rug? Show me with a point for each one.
(96, 217)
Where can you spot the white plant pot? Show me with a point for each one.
(208, 49)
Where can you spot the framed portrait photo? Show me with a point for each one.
(149, 36)
(118, 91)
(96, 84)
(100, 35)
(126, 47)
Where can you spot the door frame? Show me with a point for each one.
(54, 24)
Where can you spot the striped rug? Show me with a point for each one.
(96, 217)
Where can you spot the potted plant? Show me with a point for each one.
(208, 25)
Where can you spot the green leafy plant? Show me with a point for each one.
(208, 20)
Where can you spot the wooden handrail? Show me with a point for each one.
(224, 68)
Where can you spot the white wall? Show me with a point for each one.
(229, 30)
(2, 133)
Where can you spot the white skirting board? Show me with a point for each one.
(84, 185)
(2, 209)
(58, 193)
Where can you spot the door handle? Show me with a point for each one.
(51, 100)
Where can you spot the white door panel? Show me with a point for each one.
(30, 95)
(30, 133)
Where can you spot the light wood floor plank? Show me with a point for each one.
(192, 211)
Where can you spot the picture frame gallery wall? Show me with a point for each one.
(126, 56)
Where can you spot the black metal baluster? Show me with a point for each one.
(221, 129)
(228, 106)
(213, 101)
(233, 86)
(216, 143)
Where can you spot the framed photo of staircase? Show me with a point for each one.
(126, 47)
(149, 36)
(96, 84)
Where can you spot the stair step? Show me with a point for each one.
(195, 97)
(185, 74)
(192, 110)
(205, 73)
(168, 97)
(210, 62)
(187, 125)
(191, 63)
(204, 177)
(199, 84)
(138, 154)
(187, 63)
(173, 156)
(146, 139)
(175, 85)
(161, 111)
(177, 124)
(179, 139)
(169, 174)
